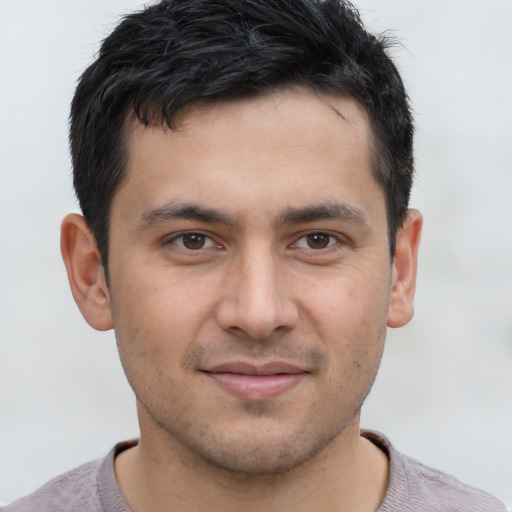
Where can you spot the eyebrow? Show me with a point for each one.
(170, 212)
(337, 210)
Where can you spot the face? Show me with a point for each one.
(250, 278)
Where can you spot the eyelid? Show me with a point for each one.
(172, 240)
(339, 239)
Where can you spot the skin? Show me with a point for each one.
(255, 234)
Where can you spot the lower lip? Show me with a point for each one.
(256, 387)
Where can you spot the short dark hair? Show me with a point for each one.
(180, 52)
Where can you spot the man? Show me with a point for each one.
(244, 170)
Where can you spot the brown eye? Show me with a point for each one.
(318, 240)
(193, 241)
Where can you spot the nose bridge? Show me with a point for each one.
(259, 286)
(257, 299)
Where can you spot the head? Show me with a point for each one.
(180, 53)
(244, 169)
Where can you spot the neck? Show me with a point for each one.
(350, 473)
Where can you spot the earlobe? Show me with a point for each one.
(405, 263)
(85, 272)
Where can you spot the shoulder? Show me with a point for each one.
(414, 486)
(75, 490)
(439, 490)
(91, 487)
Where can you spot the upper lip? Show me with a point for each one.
(243, 368)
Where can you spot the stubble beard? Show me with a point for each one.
(244, 451)
(248, 455)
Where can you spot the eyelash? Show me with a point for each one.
(178, 241)
(332, 241)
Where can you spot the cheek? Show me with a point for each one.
(152, 320)
(163, 297)
(350, 303)
(349, 315)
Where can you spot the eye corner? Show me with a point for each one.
(317, 240)
(192, 241)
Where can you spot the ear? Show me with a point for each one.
(405, 262)
(85, 272)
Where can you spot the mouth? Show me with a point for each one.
(256, 382)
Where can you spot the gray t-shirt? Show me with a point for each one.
(413, 487)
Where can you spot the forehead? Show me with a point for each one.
(271, 152)
(326, 116)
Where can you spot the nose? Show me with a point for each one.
(257, 299)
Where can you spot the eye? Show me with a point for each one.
(316, 241)
(193, 241)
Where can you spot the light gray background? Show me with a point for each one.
(444, 394)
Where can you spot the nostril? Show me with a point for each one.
(259, 323)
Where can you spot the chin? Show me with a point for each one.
(261, 451)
